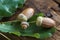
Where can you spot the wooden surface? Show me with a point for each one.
(51, 8)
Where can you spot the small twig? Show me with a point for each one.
(10, 21)
(17, 21)
(5, 36)
(32, 22)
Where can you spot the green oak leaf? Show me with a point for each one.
(9, 27)
(8, 7)
(14, 27)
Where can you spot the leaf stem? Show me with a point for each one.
(10, 21)
(32, 22)
(16, 21)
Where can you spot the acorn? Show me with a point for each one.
(24, 25)
(26, 14)
(45, 22)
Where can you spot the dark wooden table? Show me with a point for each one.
(51, 8)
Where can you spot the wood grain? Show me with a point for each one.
(48, 7)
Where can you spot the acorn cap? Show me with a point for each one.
(22, 17)
(24, 25)
(45, 22)
(39, 21)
